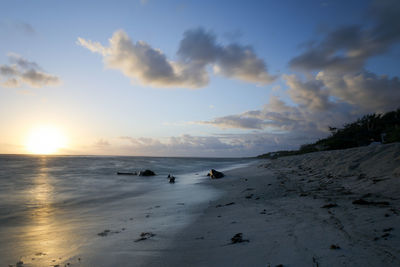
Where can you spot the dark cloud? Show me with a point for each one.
(6, 70)
(198, 49)
(22, 62)
(199, 45)
(338, 90)
(280, 118)
(354, 95)
(242, 121)
(232, 60)
(18, 26)
(241, 62)
(348, 47)
(364, 91)
(25, 27)
(276, 115)
(22, 71)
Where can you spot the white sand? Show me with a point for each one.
(283, 216)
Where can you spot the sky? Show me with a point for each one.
(191, 78)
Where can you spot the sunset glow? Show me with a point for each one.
(205, 79)
(45, 140)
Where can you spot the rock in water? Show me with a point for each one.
(215, 174)
(146, 173)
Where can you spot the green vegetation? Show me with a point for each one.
(383, 128)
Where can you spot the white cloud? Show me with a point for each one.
(101, 143)
(218, 145)
(198, 49)
(149, 66)
(309, 94)
(340, 92)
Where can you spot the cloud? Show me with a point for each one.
(363, 90)
(329, 99)
(22, 71)
(25, 27)
(232, 60)
(184, 145)
(198, 49)
(347, 48)
(340, 91)
(18, 26)
(283, 119)
(242, 121)
(337, 91)
(276, 115)
(309, 94)
(225, 145)
(242, 63)
(8, 70)
(149, 66)
(101, 143)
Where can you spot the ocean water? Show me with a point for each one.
(53, 209)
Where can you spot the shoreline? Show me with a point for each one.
(336, 208)
(297, 211)
(79, 212)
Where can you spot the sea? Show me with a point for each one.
(76, 210)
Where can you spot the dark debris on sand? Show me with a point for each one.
(144, 236)
(333, 246)
(109, 232)
(366, 202)
(264, 211)
(228, 204)
(238, 238)
(330, 205)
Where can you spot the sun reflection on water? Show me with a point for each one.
(45, 235)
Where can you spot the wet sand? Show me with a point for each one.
(110, 234)
(321, 209)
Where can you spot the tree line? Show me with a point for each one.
(383, 128)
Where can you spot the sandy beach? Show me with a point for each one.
(337, 208)
(334, 208)
(182, 133)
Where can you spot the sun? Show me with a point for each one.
(45, 140)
